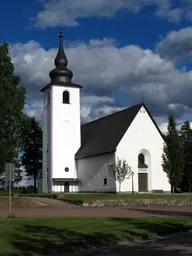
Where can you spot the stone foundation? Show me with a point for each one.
(133, 202)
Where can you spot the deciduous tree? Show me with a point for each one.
(32, 149)
(119, 171)
(12, 99)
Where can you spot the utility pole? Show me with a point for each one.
(10, 179)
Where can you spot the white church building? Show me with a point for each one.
(76, 157)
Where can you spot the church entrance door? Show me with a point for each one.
(66, 187)
(143, 182)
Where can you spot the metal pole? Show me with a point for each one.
(132, 185)
(10, 189)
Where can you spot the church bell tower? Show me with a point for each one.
(61, 127)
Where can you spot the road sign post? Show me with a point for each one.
(10, 213)
(9, 177)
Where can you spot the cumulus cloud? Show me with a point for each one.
(34, 108)
(176, 45)
(32, 62)
(164, 125)
(106, 70)
(69, 11)
(93, 106)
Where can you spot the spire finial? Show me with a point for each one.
(61, 74)
(61, 58)
(61, 29)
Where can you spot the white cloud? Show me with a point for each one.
(163, 127)
(25, 181)
(104, 69)
(69, 11)
(33, 63)
(93, 106)
(34, 108)
(176, 45)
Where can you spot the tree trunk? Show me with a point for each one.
(189, 183)
(35, 181)
(173, 189)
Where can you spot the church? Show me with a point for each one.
(76, 157)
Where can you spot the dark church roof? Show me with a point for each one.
(103, 135)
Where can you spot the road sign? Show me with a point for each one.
(9, 171)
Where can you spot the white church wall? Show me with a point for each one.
(74, 188)
(142, 136)
(65, 132)
(92, 171)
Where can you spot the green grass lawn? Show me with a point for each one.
(51, 236)
(119, 196)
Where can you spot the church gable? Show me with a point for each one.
(144, 110)
(103, 135)
(143, 137)
(142, 130)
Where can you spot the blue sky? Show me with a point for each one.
(144, 46)
(125, 26)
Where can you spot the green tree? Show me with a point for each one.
(173, 160)
(12, 99)
(32, 149)
(119, 171)
(18, 171)
(186, 135)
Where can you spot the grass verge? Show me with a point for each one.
(53, 236)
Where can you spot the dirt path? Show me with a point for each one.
(33, 202)
(45, 207)
(70, 211)
(55, 203)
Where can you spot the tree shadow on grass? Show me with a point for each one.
(45, 240)
(174, 246)
(155, 225)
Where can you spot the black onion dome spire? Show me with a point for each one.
(61, 74)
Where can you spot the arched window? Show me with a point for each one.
(141, 159)
(66, 97)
